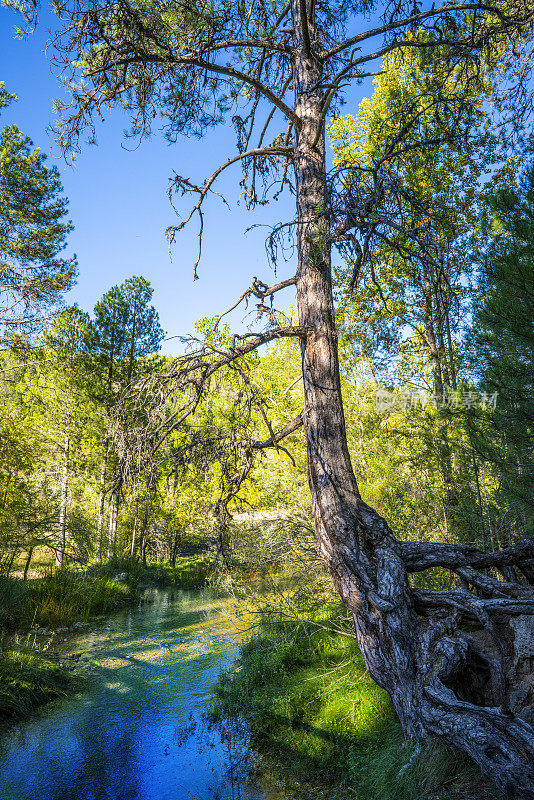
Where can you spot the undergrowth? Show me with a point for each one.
(188, 572)
(27, 681)
(316, 715)
(60, 598)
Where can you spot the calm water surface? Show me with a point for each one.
(137, 733)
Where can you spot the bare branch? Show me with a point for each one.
(288, 429)
(186, 186)
(259, 290)
(403, 23)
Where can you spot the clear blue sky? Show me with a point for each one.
(119, 205)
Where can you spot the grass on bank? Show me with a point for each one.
(65, 596)
(27, 681)
(60, 598)
(190, 572)
(319, 720)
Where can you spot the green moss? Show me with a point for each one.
(316, 714)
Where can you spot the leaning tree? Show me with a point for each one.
(450, 660)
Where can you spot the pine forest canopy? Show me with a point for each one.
(280, 70)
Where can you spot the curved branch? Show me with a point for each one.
(197, 61)
(469, 604)
(202, 191)
(433, 12)
(259, 290)
(418, 556)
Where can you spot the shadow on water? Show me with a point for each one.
(137, 732)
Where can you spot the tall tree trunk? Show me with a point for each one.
(148, 506)
(60, 552)
(479, 498)
(419, 658)
(450, 347)
(440, 375)
(101, 508)
(114, 513)
(144, 534)
(174, 549)
(27, 564)
(10, 562)
(134, 529)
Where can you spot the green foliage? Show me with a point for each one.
(13, 602)
(65, 597)
(60, 598)
(504, 333)
(416, 98)
(27, 681)
(125, 329)
(32, 231)
(187, 573)
(317, 716)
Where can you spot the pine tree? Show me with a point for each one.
(125, 329)
(33, 232)
(505, 321)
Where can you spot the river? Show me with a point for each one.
(137, 731)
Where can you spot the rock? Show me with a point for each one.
(62, 629)
(80, 625)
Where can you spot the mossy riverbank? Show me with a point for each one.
(323, 728)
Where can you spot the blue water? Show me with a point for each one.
(137, 732)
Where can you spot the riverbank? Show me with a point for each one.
(137, 729)
(28, 681)
(35, 613)
(323, 728)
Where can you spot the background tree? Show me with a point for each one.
(125, 330)
(33, 232)
(67, 409)
(405, 324)
(504, 325)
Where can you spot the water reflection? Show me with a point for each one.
(137, 733)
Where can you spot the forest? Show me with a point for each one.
(339, 466)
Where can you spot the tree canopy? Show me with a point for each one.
(33, 232)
